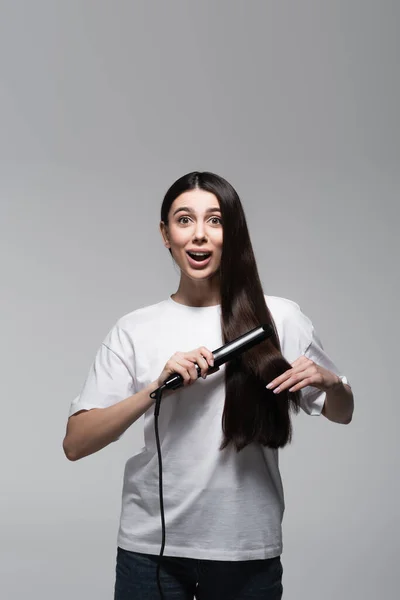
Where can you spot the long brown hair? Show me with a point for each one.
(251, 413)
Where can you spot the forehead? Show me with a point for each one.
(196, 200)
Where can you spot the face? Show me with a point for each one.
(195, 225)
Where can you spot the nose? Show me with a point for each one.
(199, 233)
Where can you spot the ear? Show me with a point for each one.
(164, 234)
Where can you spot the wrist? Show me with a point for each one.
(339, 383)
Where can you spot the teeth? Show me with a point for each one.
(199, 253)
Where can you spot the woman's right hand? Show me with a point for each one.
(184, 364)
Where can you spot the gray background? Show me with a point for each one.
(102, 106)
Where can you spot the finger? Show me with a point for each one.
(203, 364)
(191, 368)
(182, 368)
(301, 384)
(203, 354)
(288, 376)
(203, 357)
(278, 380)
(311, 377)
(300, 360)
(187, 369)
(208, 355)
(296, 379)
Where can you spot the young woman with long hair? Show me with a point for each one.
(222, 491)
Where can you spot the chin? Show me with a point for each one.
(202, 275)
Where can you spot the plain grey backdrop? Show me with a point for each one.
(103, 104)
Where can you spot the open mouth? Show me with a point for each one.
(199, 255)
(199, 258)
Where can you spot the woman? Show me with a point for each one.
(222, 491)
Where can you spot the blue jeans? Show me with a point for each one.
(189, 578)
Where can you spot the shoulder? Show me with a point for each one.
(282, 308)
(130, 325)
(142, 315)
(295, 328)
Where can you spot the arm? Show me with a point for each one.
(339, 403)
(91, 430)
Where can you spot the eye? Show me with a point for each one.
(212, 219)
(180, 219)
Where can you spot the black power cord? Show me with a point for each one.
(157, 394)
(173, 382)
(230, 351)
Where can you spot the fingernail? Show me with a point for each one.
(278, 389)
(269, 386)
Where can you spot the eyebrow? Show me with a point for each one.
(188, 209)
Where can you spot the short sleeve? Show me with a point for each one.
(111, 375)
(301, 338)
(313, 399)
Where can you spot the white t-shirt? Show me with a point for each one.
(218, 505)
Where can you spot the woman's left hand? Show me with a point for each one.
(304, 372)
